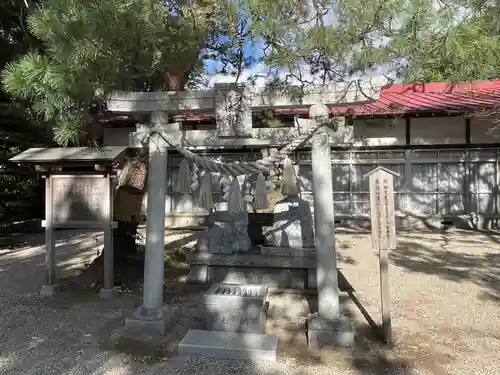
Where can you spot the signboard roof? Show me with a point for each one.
(70, 155)
(381, 169)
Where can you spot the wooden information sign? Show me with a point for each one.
(79, 189)
(382, 208)
(79, 200)
(383, 224)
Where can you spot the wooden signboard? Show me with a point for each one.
(79, 200)
(383, 223)
(79, 190)
(382, 213)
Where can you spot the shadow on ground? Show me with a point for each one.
(15, 241)
(481, 268)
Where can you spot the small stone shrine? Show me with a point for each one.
(79, 189)
(225, 253)
(228, 232)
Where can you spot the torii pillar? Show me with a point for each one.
(153, 315)
(327, 327)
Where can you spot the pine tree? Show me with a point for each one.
(91, 47)
(15, 39)
(465, 48)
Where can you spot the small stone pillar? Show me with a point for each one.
(327, 327)
(153, 315)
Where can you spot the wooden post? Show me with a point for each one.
(49, 288)
(383, 226)
(109, 290)
(385, 301)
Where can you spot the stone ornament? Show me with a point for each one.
(293, 224)
(228, 233)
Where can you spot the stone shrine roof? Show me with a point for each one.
(70, 155)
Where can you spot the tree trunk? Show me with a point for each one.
(127, 207)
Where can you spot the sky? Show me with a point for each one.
(254, 50)
(261, 69)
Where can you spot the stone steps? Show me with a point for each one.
(229, 345)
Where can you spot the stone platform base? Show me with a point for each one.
(276, 277)
(155, 322)
(252, 268)
(324, 333)
(229, 345)
(283, 271)
(106, 293)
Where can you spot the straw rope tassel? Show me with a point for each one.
(183, 183)
(289, 180)
(261, 200)
(205, 198)
(236, 204)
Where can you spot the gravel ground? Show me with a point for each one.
(445, 291)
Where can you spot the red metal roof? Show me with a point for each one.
(428, 97)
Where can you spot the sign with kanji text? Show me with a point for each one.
(383, 218)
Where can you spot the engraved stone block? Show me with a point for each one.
(236, 308)
(228, 234)
(293, 224)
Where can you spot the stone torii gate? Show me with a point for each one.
(327, 326)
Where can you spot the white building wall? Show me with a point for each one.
(423, 131)
(437, 130)
(380, 132)
(484, 131)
